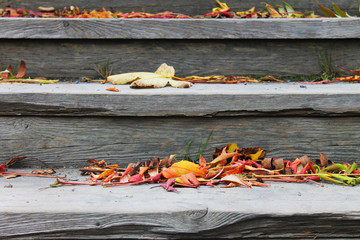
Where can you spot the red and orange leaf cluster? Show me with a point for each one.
(230, 167)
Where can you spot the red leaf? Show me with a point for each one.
(168, 186)
(2, 168)
(22, 70)
(136, 178)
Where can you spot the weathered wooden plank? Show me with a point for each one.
(184, 6)
(324, 28)
(207, 100)
(77, 58)
(71, 141)
(282, 211)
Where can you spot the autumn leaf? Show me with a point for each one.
(236, 179)
(22, 70)
(327, 12)
(184, 167)
(162, 77)
(113, 89)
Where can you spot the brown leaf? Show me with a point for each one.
(305, 160)
(14, 160)
(323, 160)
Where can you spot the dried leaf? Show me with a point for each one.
(165, 70)
(126, 78)
(150, 83)
(323, 160)
(179, 84)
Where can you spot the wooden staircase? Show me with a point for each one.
(63, 125)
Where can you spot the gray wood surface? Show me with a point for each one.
(184, 6)
(201, 100)
(77, 58)
(282, 211)
(71, 141)
(323, 28)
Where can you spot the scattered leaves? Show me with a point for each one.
(7, 76)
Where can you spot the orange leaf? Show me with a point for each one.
(143, 170)
(184, 167)
(106, 173)
(188, 180)
(202, 161)
(223, 157)
(113, 89)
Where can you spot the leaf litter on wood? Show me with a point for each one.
(230, 166)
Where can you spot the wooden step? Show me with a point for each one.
(30, 210)
(66, 124)
(185, 6)
(71, 48)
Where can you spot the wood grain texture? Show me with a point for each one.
(179, 29)
(282, 211)
(77, 58)
(184, 6)
(69, 141)
(201, 100)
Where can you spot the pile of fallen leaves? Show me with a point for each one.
(230, 166)
(223, 11)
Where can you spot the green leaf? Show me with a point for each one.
(327, 12)
(289, 8)
(339, 12)
(281, 9)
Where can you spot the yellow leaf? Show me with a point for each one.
(126, 78)
(232, 147)
(184, 167)
(256, 156)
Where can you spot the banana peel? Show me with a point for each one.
(162, 77)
